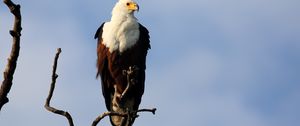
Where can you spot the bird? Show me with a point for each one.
(122, 48)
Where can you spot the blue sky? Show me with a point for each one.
(212, 62)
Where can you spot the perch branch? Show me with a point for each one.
(127, 114)
(14, 54)
(99, 118)
(47, 104)
(130, 75)
(147, 110)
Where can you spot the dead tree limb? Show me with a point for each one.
(12, 60)
(47, 104)
(126, 115)
(131, 74)
(100, 117)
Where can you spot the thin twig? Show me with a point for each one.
(12, 60)
(47, 104)
(147, 110)
(100, 117)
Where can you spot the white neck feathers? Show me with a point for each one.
(122, 32)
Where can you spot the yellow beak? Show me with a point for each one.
(133, 6)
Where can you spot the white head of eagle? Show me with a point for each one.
(123, 44)
(122, 32)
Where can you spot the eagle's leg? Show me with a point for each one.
(131, 74)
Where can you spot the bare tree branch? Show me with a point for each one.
(147, 110)
(131, 80)
(12, 60)
(47, 104)
(127, 114)
(100, 117)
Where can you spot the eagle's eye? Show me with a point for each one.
(127, 4)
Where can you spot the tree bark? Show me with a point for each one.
(47, 104)
(12, 60)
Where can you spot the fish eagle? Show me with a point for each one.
(121, 51)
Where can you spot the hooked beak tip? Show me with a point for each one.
(138, 8)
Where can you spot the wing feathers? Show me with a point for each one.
(111, 66)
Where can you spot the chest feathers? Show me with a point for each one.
(120, 35)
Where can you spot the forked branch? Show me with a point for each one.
(14, 54)
(134, 113)
(129, 115)
(47, 104)
(130, 74)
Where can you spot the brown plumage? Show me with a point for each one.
(111, 66)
